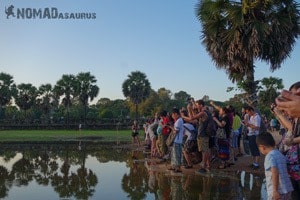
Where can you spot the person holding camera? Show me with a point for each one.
(253, 126)
(287, 116)
(289, 101)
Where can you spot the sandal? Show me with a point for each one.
(177, 170)
(188, 166)
(221, 167)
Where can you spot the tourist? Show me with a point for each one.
(253, 125)
(190, 144)
(235, 133)
(176, 150)
(202, 116)
(289, 102)
(135, 133)
(278, 183)
(223, 143)
(152, 129)
(292, 140)
(166, 121)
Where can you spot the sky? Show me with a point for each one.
(161, 38)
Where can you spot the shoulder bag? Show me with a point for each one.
(171, 138)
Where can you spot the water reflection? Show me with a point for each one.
(63, 171)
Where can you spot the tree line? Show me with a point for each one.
(68, 103)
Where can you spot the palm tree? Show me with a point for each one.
(136, 88)
(25, 97)
(66, 88)
(46, 98)
(86, 89)
(238, 33)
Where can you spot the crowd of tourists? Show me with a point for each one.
(201, 133)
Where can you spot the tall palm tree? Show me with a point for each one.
(236, 34)
(136, 88)
(66, 88)
(86, 89)
(25, 97)
(46, 98)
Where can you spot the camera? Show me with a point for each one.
(273, 106)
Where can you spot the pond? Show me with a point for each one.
(107, 171)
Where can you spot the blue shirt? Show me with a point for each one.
(178, 126)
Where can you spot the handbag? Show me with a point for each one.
(221, 133)
(170, 139)
(293, 162)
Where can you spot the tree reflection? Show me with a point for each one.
(23, 171)
(45, 168)
(3, 176)
(80, 184)
(135, 183)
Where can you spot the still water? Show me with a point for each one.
(107, 171)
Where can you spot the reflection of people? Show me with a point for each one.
(135, 133)
(278, 183)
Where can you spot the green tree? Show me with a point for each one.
(7, 90)
(66, 88)
(181, 96)
(238, 33)
(137, 88)
(86, 89)
(269, 90)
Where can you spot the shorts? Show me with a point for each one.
(212, 142)
(253, 146)
(134, 134)
(203, 145)
(190, 146)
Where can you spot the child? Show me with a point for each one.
(278, 183)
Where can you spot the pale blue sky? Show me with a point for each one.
(160, 38)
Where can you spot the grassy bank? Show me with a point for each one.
(65, 135)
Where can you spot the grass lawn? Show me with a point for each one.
(65, 135)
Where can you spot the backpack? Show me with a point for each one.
(262, 127)
(209, 126)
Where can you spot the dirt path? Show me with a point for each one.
(242, 163)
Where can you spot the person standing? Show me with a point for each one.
(135, 133)
(223, 143)
(235, 135)
(253, 125)
(176, 150)
(292, 138)
(279, 185)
